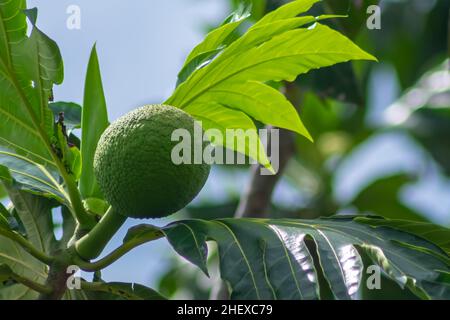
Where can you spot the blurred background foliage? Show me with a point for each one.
(381, 132)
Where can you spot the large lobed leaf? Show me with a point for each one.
(270, 259)
(29, 67)
(232, 74)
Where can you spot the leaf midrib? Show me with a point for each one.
(7, 41)
(243, 256)
(231, 75)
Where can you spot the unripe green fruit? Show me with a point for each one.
(133, 164)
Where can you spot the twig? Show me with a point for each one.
(114, 255)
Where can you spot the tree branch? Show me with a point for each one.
(115, 255)
(256, 200)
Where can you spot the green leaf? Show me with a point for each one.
(289, 10)
(120, 291)
(5, 272)
(28, 69)
(269, 259)
(44, 64)
(439, 235)
(94, 122)
(197, 62)
(72, 114)
(274, 49)
(23, 264)
(255, 99)
(74, 159)
(35, 214)
(214, 43)
(96, 206)
(215, 116)
(31, 176)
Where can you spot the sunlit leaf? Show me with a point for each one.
(274, 49)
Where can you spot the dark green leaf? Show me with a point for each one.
(28, 69)
(439, 235)
(268, 259)
(23, 264)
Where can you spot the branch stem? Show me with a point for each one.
(114, 255)
(92, 244)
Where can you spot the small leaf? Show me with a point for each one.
(274, 49)
(96, 206)
(72, 114)
(143, 232)
(94, 122)
(434, 233)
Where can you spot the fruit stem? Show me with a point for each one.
(92, 244)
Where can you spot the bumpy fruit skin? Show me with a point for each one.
(133, 163)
